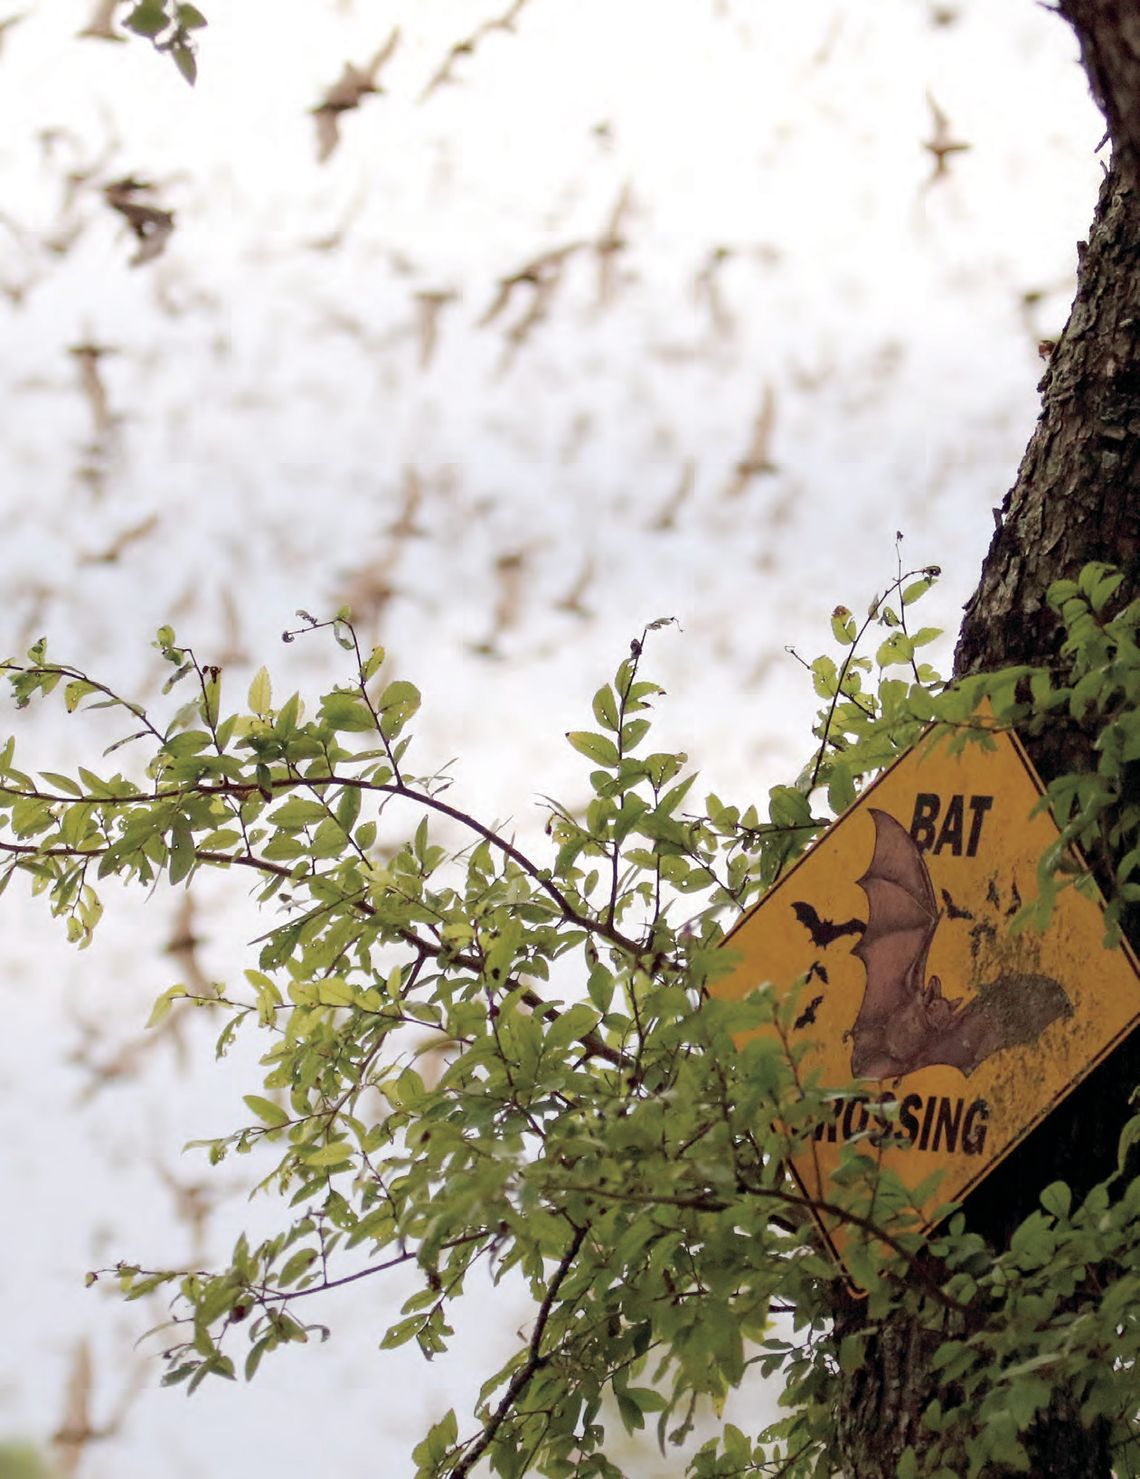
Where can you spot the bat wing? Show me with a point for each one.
(905, 1024)
(902, 915)
(1011, 1012)
(808, 917)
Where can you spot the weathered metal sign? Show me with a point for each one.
(916, 992)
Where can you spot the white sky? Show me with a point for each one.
(269, 398)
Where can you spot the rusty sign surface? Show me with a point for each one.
(916, 993)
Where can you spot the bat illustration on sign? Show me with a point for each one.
(952, 909)
(905, 1023)
(823, 932)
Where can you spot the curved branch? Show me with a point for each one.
(286, 1296)
(596, 1046)
(289, 783)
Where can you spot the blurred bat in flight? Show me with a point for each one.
(610, 245)
(430, 303)
(77, 1428)
(151, 226)
(757, 461)
(347, 93)
(87, 357)
(445, 72)
(941, 143)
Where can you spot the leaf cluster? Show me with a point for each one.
(170, 27)
(478, 1059)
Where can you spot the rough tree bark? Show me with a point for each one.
(1076, 498)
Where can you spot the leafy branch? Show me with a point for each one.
(474, 1047)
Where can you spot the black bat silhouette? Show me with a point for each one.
(807, 1016)
(824, 932)
(982, 931)
(905, 1023)
(817, 968)
(952, 910)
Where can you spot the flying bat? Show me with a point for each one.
(824, 932)
(807, 1017)
(757, 460)
(465, 47)
(942, 142)
(151, 225)
(349, 90)
(905, 1022)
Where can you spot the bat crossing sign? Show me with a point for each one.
(916, 995)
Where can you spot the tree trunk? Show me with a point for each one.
(1076, 499)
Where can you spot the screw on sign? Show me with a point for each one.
(945, 1037)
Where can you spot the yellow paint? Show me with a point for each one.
(1070, 1000)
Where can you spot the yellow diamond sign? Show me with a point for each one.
(916, 993)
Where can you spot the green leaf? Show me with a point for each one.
(852, 1351)
(397, 704)
(296, 1266)
(346, 712)
(61, 782)
(1099, 583)
(788, 807)
(298, 812)
(632, 733)
(843, 627)
(572, 1025)
(253, 1360)
(336, 1153)
(75, 692)
(916, 590)
(825, 676)
(595, 747)
(261, 692)
(433, 1451)
(674, 796)
(148, 19)
(185, 61)
(840, 788)
(400, 1333)
(181, 851)
(605, 707)
(335, 992)
(266, 1111)
(1057, 1198)
(162, 1006)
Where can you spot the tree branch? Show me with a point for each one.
(534, 1360)
(702, 1202)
